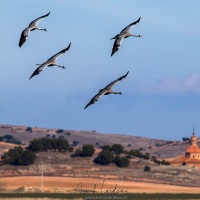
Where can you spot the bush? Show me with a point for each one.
(163, 162)
(29, 129)
(105, 157)
(62, 144)
(18, 156)
(87, 150)
(121, 161)
(60, 131)
(117, 148)
(137, 153)
(147, 168)
(8, 137)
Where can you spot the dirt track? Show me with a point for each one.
(62, 184)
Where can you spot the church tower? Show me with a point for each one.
(193, 151)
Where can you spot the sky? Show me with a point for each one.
(161, 94)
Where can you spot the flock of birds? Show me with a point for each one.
(52, 60)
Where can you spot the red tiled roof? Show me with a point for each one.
(179, 159)
(193, 149)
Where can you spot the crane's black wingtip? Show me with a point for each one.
(69, 46)
(85, 107)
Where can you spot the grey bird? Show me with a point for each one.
(50, 62)
(123, 34)
(31, 27)
(106, 91)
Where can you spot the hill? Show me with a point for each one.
(156, 147)
(159, 148)
(61, 164)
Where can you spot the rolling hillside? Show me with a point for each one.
(156, 147)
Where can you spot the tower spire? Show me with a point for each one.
(193, 133)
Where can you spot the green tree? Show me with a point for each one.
(60, 131)
(87, 150)
(18, 156)
(62, 144)
(117, 148)
(121, 161)
(29, 129)
(105, 157)
(35, 145)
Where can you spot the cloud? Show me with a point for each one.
(171, 86)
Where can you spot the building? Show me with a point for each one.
(192, 155)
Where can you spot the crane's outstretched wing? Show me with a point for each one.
(23, 37)
(54, 57)
(96, 97)
(127, 28)
(39, 69)
(34, 22)
(117, 44)
(116, 81)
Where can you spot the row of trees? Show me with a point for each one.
(109, 154)
(49, 144)
(20, 156)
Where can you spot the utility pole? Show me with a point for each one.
(42, 178)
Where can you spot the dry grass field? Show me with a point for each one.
(72, 185)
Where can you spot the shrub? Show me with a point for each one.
(87, 150)
(105, 157)
(19, 156)
(121, 161)
(117, 148)
(29, 129)
(163, 162)
(60, 131)
(8, 137)
(137, 153)
(147, 168)
(62, 144)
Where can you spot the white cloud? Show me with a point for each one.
(171, 86)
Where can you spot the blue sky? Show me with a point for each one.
(161, 94)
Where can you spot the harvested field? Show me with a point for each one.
(62, 184)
